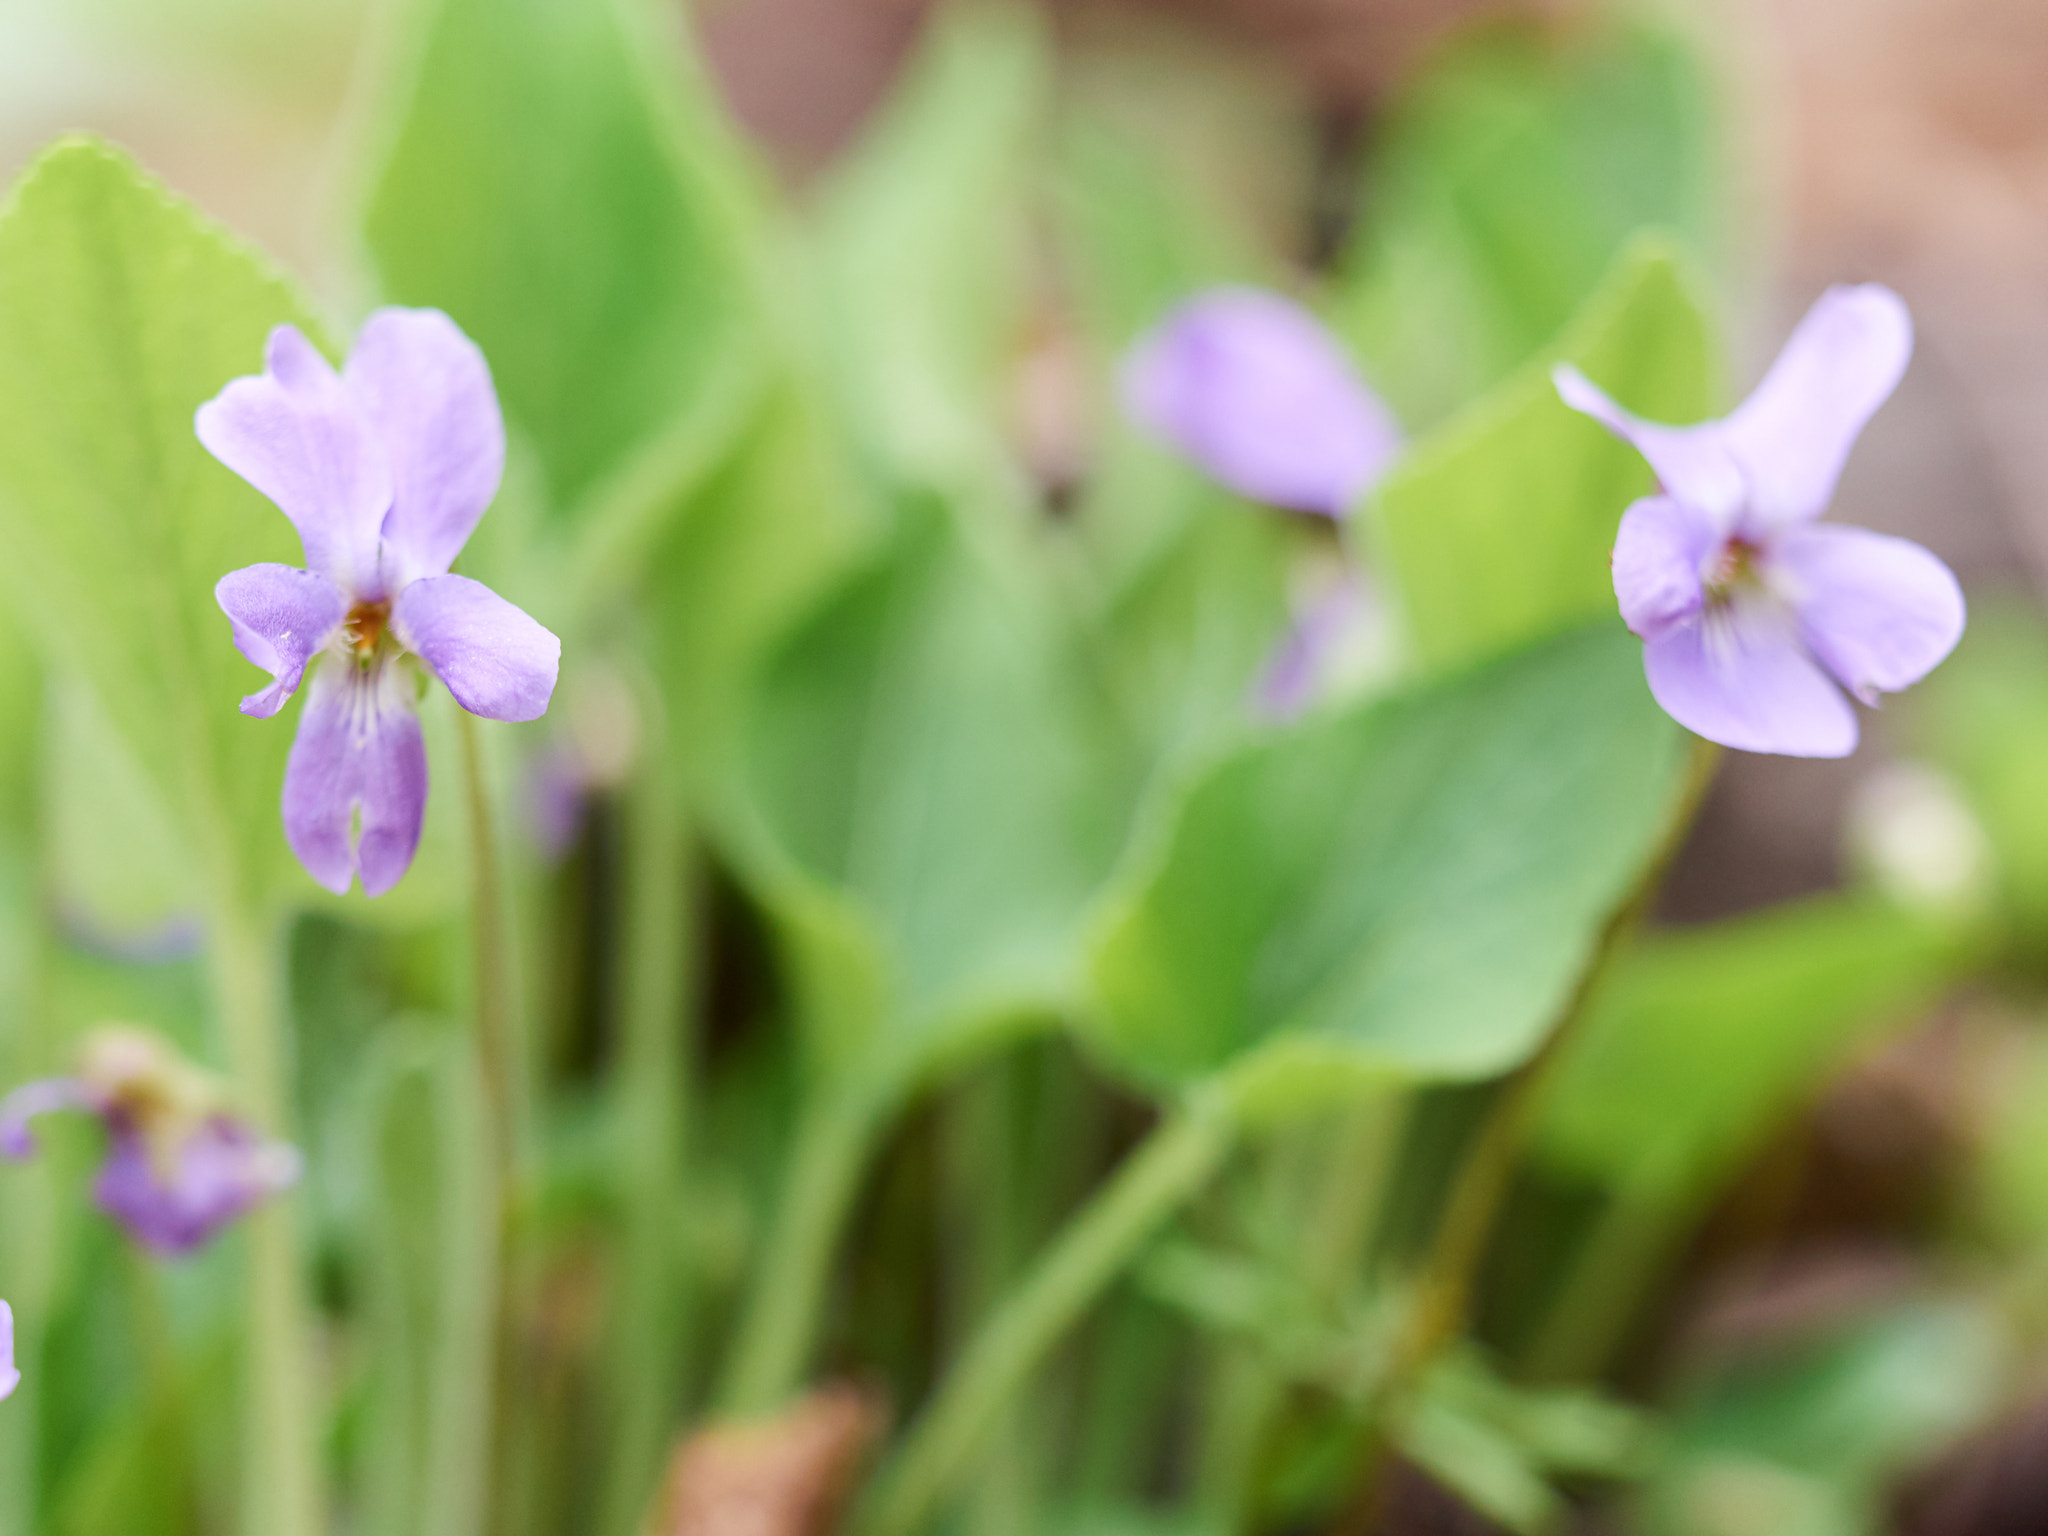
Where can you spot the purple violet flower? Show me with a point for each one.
(384, 469)
(1750, 612)
(1252, 388)
(179, 1166)
(10, 1378)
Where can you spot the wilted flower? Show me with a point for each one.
(1750, 612)
(10, 1378)
(384, 469)
(1252, 388)
(179, 1166)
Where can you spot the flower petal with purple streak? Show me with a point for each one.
(426, 391)
(1792, 436)
(1740, 676)
(295, 433)
(282, 618)
(1880, 612)
(355, 785)
(41, 1097)
(1252, 388)
(497, 661)
(219, 1172)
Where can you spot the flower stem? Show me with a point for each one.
(496, 1036)
(1165, 1171)
(281, 1493)
(649, 1088)
(782, 1319)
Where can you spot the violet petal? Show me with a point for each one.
(1692, 464)
(1659, 553)
(1252, 388)
(1793, 434)
(426, 390)
(1880, 612)
(220, 1171)
(358, 750)
(294, 433)
(1740, 676)
(40, 1097)
(495, 659)
(282, 618)
(10, 1378)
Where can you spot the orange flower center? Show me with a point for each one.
(364, 627)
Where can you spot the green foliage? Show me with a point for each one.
(1495, 529)
(929, 766)
(553, 185)
(1505, 181)
(121, 310)
(1702, 1038)
(1401, 891)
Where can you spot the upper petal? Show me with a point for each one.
(1659, 553)
(38, 1098)
(358, 753)
(1691, 463)
(282, 618)
(1252, 388)
(295, 434)
(495, 659)
(1740, 676)
(1880, 612)
(1794, 433)
(426, 390)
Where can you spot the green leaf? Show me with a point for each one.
(576, 204)
(1701, 1038)
(121, 310)
(1507, 178)
(934, 788)
(1496, 529)
(923, 247)
(1400, 892)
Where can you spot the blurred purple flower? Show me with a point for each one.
(1252, 388)
(1338, 627)
(178, 1166)
(1751, 613)
(10, 1378)
(384, 469)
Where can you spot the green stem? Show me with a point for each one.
(496, 1033)
(656, 961)
(784, 1314)
(281, 1482)
(1352, 1172)
(1601, 1293)
(1172, 1164)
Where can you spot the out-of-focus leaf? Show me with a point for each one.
(936, 789)
(431, 1252)
(1496, 529)
(1701, 1037)
(1984, 717)
(1805, 1440)
(2011, 1166)
(1396, 892)
(923, 248)
(1505, 181)
(121, 310)
(559, 180)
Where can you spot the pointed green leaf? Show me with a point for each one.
(556, 185)
(1505, 180)
(121, 310)
(1496, 529)
(1399, 892)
